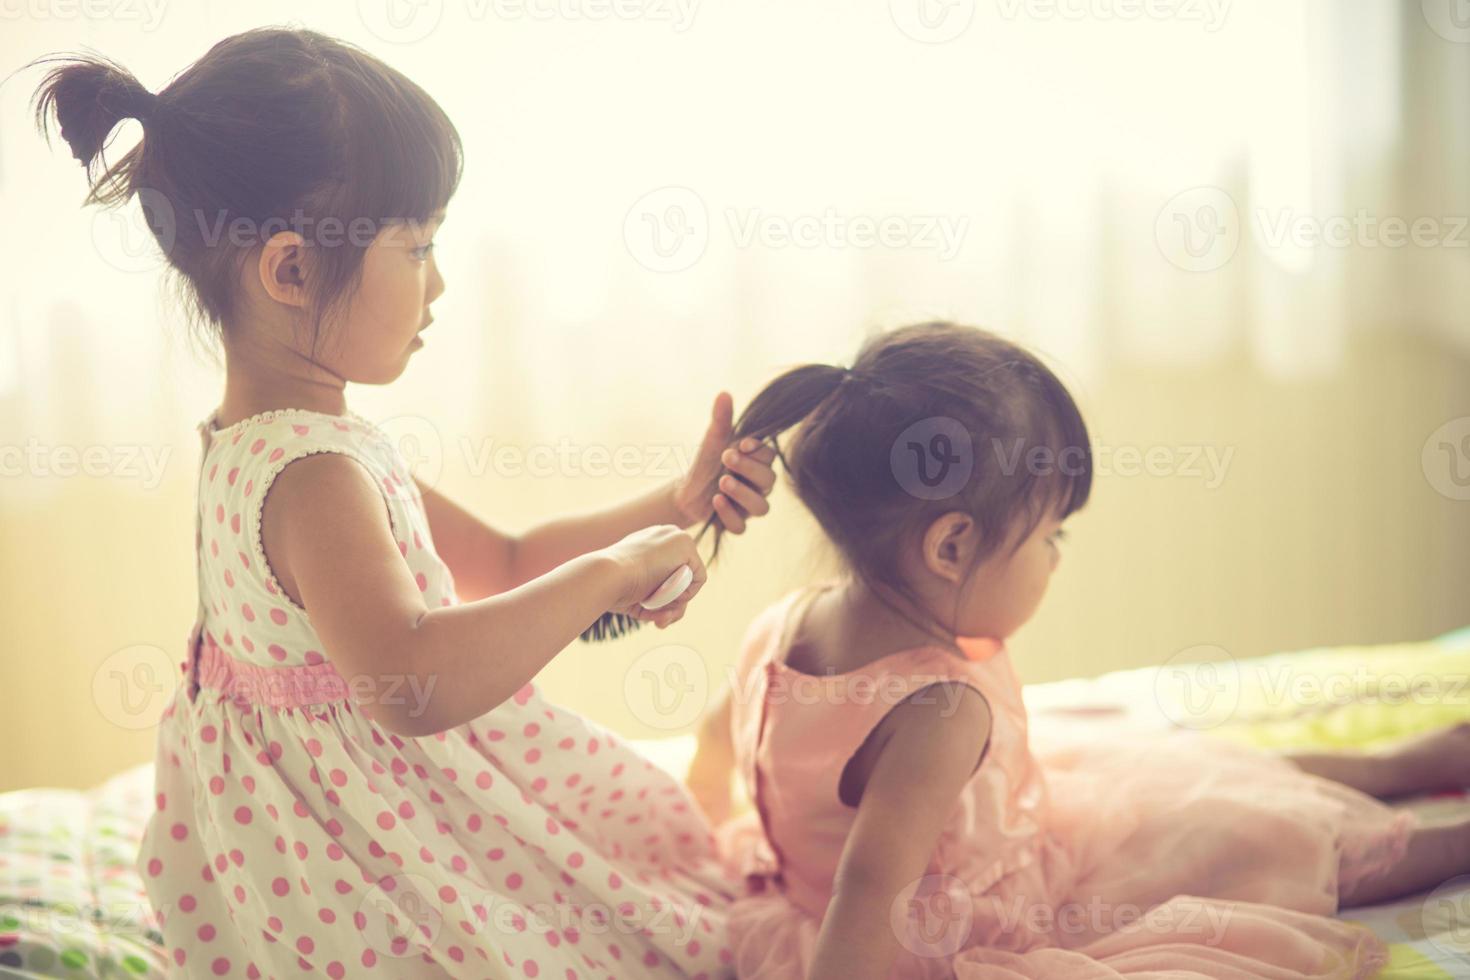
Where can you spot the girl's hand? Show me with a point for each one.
(649, 556)
(730, 481)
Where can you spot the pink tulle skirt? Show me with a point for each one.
(1176, 857)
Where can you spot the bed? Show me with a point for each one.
(72, 904)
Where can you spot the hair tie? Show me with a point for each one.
(133, 102)
(147, 105)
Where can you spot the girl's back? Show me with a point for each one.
(800, 743)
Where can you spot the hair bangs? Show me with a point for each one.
(406, 156)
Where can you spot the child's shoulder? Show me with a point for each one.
(772, 621)
(279, 427)
(246, 458)
(767, 626)
(266, 442)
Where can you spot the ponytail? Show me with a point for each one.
(88, 96)
(784, 403)
(844, 463)
(273, 128)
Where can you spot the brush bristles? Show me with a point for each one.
(610, 626)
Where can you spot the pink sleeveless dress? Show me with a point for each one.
(1172, 858)
(292, 836)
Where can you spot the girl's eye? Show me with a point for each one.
(422, 252)
(1059, 535)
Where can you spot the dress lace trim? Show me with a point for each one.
(275, 413)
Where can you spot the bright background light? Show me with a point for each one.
(1133, 196)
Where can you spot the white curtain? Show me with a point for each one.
(666, 196)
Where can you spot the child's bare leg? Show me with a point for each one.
(1436, 853)
(1425, 763)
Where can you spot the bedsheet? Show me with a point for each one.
(72, 903)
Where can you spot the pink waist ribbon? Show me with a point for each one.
(275, 687)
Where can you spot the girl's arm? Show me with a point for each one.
(929, 756)
(480, 558)
(485, 561)
(417, 670)
(714, 762)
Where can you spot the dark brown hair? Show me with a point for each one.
(1028, 452)
(273, 129)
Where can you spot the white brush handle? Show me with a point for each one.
(671, 589)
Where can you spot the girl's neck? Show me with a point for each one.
(258, 381)
(850, 625)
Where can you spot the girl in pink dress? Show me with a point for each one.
(904, 824)
(356, 775)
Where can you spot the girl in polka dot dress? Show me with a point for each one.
(357, 775)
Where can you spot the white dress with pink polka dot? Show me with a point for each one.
(292, 835)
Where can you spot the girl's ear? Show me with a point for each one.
(282, 268)
(949, 544)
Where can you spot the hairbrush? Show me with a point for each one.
(611, 625)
